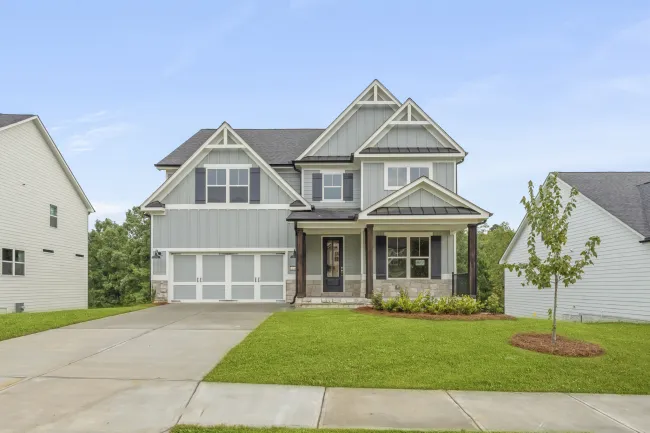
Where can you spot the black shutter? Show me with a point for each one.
(348, 183)
(255, 185)
(436, 257)
(380, 256)
(199, 185)
(317, 187)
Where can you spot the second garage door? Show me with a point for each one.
(231, 277)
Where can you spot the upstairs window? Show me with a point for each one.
(13, 262)
(333, 186)
(54, 218)
(227, 185)
(399, 176)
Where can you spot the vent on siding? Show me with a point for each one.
(48, 251)
(79, 255)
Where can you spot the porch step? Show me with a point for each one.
(331, 302)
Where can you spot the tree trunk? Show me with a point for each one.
(553, 335)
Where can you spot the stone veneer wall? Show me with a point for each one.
(291, 290)
(160, 290)
(390, 288)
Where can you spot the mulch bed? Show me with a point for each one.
(563, 347)
(428, 316)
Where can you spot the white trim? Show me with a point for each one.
(230, 206)
(361, 192)
(59, 156)
(377, 102)
(408, 165)
(194, 160)
(433, 187)
(408, 256)
(322, 270)
(225, 250)
(330, 172)
(345, 115)
(225, 146)
(227, 166)
(158, 278)
(227, 185)
(455, 270)
(390, 122)
(409, 122)
(412, 234)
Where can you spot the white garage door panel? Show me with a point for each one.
(226, 277)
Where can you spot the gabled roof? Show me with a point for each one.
(411, 115)
(375, 94)
(618, 193)
(275, 146)
(435, 188)
(226, 138)
(11, 120)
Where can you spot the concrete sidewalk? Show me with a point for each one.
(316, 407)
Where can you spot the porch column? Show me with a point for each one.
(472, 260)
(370, 253)
(301, 274)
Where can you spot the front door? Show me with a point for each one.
(332, 264)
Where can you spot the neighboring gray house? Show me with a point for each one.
(369, 203)
(43, 221)
(616, 207)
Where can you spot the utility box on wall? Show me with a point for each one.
(20, 307)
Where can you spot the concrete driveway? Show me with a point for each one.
(121, 373)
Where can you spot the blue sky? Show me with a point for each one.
(524, 87)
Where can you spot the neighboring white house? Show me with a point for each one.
(43, 222)
(615, 207)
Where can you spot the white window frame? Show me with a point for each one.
(13, 263)
(227, 167)
(56, 210)
(408, 166)
(408, 256)
(331, 173)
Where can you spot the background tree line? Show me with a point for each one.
(118, 261)
(492, 243)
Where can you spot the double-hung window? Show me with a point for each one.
(54, 219)
(399, 175)
(408, 257)
(13, 262)
(332, 186)
(227, 185)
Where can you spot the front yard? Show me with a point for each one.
(340, 348)
(18, 324)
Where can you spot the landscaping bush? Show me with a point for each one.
(493, 304)
(425, 303)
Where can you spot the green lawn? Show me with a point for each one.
(238, 429)
(340, 348)
(16, 325)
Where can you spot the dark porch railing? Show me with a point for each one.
(460, 285)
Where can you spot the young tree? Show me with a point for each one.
(548, 219)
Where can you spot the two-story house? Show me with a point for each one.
(368, 204)
(43, 222)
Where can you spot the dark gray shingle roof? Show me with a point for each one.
(8, 119)
(438, 210)
(275, 146)
(409, 150)
(617, 193)
(324, 215)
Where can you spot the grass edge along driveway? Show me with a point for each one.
(341, 348)
(19, 324)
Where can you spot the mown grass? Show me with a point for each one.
(238, 429)
(340, 348)
(19, 324)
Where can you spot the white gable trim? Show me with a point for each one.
(432, 187)
(347, 113)
(581, 196)
(59, 158)
(205, 148)
(429, 124)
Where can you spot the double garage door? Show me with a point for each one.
(227, 277)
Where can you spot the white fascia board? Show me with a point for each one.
(429, 122)
(29, 119)
(351, 109)
(431, 186)
(61, 160)
(193, 160)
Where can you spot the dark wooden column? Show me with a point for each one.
(472, 259)
(301, 271)
(370, 253)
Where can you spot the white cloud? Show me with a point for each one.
(91, 138)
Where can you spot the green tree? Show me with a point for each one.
(548, 219)
(118, 261)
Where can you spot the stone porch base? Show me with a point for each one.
(331, 302)
(390, 288)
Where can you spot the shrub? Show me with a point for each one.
(377, 301)
(426, 303)
(390, 304)
(493, 304)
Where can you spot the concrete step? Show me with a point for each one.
(331, 302)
